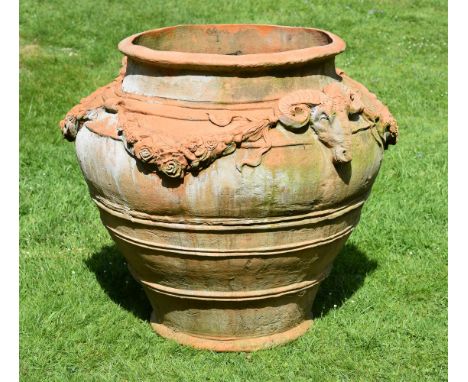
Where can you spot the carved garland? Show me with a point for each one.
(194, 153)
(327, 112)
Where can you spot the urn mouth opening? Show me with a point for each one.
(231, 46)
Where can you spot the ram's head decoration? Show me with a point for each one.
(331, 112)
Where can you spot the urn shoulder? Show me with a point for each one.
(255, 131)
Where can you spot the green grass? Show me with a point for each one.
(382, 314)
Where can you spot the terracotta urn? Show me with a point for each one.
(230, 164)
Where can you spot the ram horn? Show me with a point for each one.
(295, 107)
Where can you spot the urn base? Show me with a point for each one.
(234, 325)
(230, 344)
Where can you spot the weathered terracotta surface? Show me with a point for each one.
(230, 164)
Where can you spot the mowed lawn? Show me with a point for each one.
(381, 315)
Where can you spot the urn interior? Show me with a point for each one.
(232, 40)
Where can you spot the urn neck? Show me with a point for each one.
(228, 63)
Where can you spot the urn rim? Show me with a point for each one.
(289, 47)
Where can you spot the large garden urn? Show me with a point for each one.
(230, 164)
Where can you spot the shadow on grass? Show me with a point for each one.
(112, 273)
(350, 269)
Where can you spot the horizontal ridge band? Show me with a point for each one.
(226, 252)
(235, 295)
(225, 224)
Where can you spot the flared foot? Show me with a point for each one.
(231, 344)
